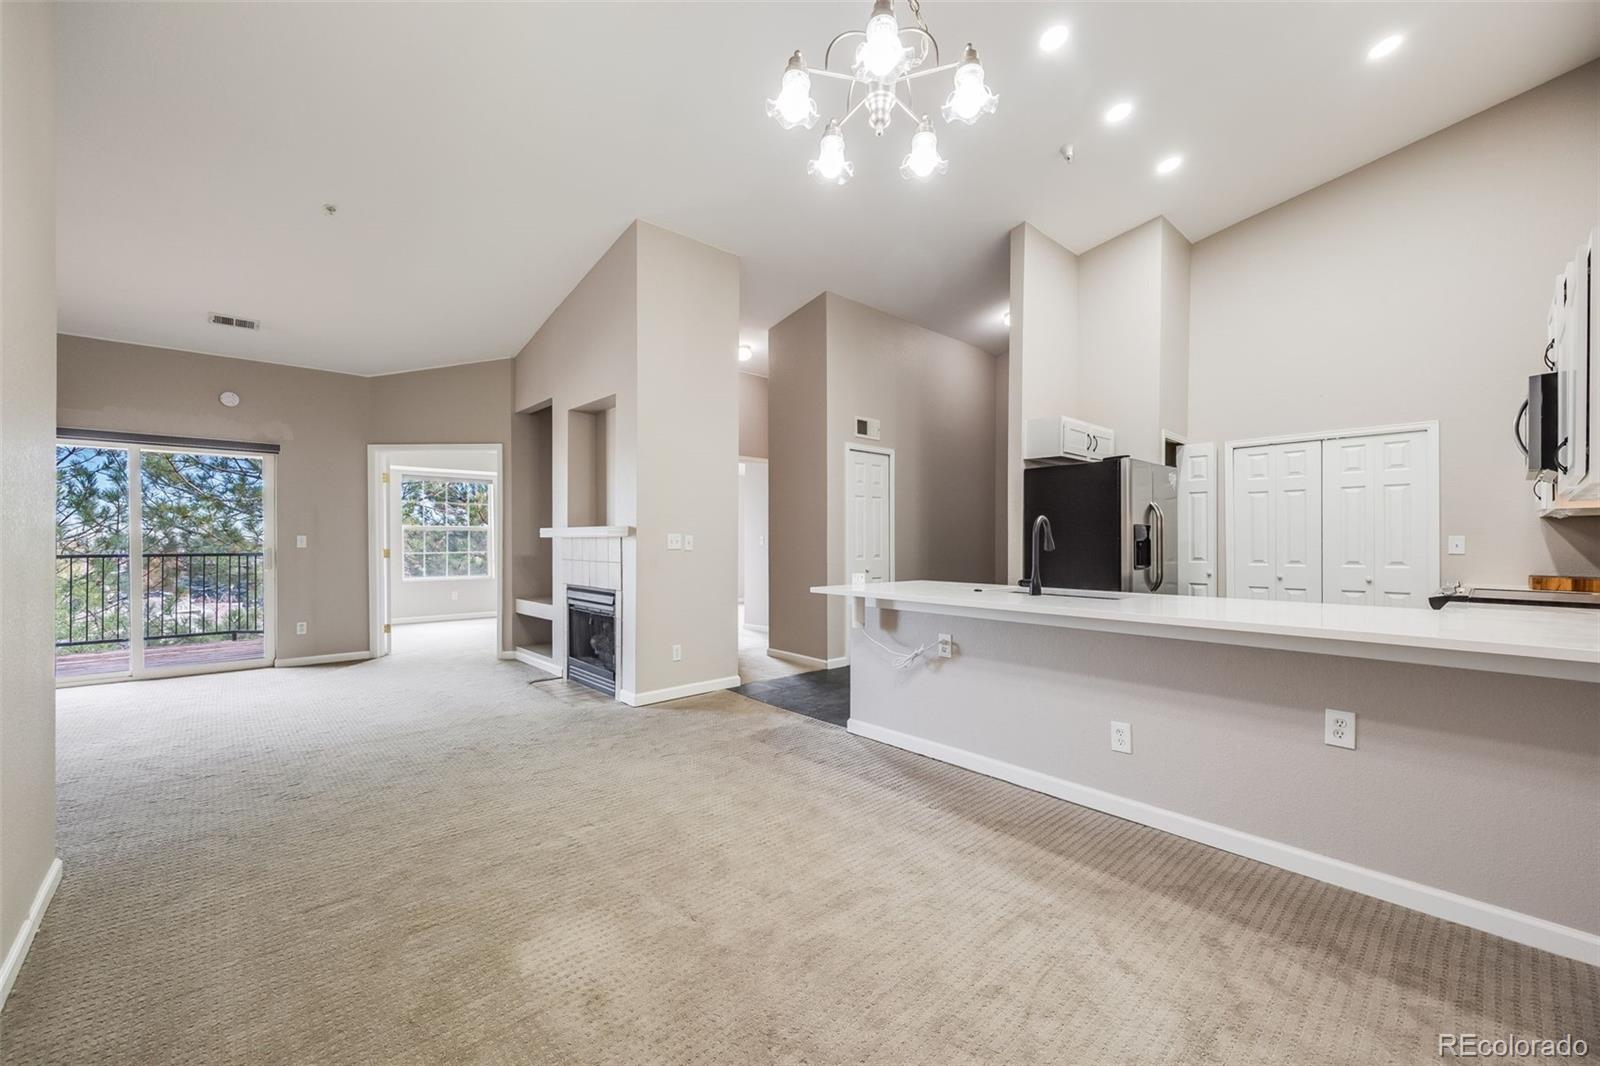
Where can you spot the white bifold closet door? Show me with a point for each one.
(1380, 518)
(1276, 535)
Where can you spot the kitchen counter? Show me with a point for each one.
(1465, 787)
(1549, 642)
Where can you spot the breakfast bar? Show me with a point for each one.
(1210, 718)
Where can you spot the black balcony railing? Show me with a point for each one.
(182, 594)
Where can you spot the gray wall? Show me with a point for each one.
(27, 460)
(1481, 784)
(1414, 288)
(835, 360)
(797, 482)
(688, 460)
(322, 421)
(753, 416)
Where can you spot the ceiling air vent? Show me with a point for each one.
(229, 320)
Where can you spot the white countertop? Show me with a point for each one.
(1540, 641)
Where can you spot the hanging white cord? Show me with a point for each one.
(897, 658)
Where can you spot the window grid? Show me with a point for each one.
(444, 528)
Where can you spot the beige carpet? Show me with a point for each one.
(427, 859)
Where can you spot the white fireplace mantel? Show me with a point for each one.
(549, 532)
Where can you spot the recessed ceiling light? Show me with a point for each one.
(1169, 164)
(1118, 111)
(1053, 38)
(1385, 47)
(746, 353)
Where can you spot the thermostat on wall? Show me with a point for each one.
(869, 428)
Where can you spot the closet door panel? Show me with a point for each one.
(1349, 531)
(1298, 518)
(1404, 522)
(1252, 568)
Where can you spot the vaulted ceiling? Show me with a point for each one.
(482, 156)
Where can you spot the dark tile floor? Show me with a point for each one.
(820, 694)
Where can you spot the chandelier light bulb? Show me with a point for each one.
(793, 105)
(831, 167)
(971, 99)
(881, 55)
(924, 161)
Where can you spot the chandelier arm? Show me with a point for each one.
(852, 112)
(828, 53)
(931, 39)
(931, 70)
(914, 116)
(824, 73)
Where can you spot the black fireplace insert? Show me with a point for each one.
(592, 637)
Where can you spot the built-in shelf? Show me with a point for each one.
(539, 657)
(536, 607)
(586, 531)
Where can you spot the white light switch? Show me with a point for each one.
(688, 542)
(300, 629)
(1457, 544)
(674, 542)
(300, 541)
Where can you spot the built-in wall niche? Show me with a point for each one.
(591, 461)
(534, 572)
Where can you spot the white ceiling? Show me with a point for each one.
(483, 156)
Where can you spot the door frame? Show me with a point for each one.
(1430, 437)
(269, 553)
(378, 536)
(872, 449)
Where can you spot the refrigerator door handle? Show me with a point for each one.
(1157, 572)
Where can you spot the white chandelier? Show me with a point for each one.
(883, 62)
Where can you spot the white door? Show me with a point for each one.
(1252, 549)
(753, 504)
(1275, 531)
(868, 523)
(1299, 521)
(1406, 520)
(1197, 520)
(1350, 476)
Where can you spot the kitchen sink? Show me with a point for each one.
(1077, 594)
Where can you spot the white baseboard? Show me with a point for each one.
(30, 925)
(755, 628)
(318, 660)
(662, 695)
(1491, 918)
(442, 618)
(808, 660)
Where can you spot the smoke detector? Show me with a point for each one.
(232, 320)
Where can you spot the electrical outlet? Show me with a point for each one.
(946, 646)
(1122, 737)
(299, 629)
(455, 594)
(300, 541)
(688, 542)
(674, 542)
(1457, 544)
(677, 653)
(1339, 729)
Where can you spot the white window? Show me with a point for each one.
(444, 527)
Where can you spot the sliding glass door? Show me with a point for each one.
(163, 560)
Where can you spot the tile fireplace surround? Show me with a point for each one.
(592, 561)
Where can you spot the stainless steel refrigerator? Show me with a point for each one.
(1114, 524)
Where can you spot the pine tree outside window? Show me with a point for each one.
(444, 527)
